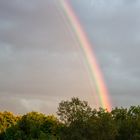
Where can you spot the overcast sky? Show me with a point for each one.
(41, 64)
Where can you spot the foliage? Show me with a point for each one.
(71, 111)
(77, 121)
(32, 126)
(7, 119)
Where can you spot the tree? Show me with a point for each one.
(127, 122)
(81, 122)
(74, 114)
(7, 120)
(103, 125)
(70, 111)
(33, 126)
(77, 122)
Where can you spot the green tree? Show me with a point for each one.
(33, 126)
(104, 125)
(70, 111)
(127, 122)
(81, 122)
(7, 120)
(77, 122)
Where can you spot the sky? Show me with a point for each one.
(42, 64)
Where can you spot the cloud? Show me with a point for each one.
(113, 29)
(41, 64)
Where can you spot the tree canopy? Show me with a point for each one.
(76, 120)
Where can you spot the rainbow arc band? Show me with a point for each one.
(85, 45)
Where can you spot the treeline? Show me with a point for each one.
(76, 121)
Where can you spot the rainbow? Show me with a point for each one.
(101, 90)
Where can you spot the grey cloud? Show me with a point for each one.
(40, 61)
(21, 104)
(114, 29)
